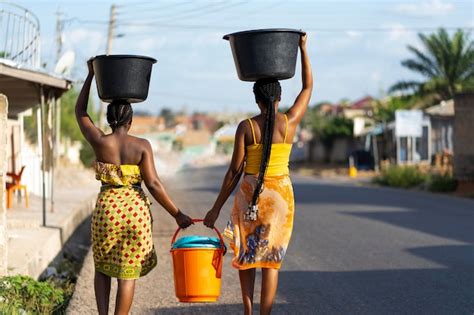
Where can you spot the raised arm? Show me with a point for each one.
(297, 111)
(88, 129)
(231, 178)
(156, 188)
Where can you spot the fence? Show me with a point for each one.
(19, 35)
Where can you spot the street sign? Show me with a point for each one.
(408, 123)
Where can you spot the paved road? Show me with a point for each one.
(355, 250)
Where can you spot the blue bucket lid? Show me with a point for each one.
(196, 241)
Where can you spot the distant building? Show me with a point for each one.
(201, 121)
(442, 126)
(360, 112)
(463, 143)
(147, 124)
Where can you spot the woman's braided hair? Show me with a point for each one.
(267, 91)
(119, 113)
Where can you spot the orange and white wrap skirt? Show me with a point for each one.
(262, 243)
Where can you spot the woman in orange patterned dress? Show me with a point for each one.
(262, 216)
(122, 241)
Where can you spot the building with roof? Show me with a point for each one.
(24, 86)
(442, 126)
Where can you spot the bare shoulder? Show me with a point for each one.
(142, 142)
(242, 127)
(242, 124)
(138, 144)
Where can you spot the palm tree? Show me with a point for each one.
(446, 62)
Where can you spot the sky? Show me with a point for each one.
(355, 47)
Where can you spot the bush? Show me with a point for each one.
(442, 183)
(86, 154)
(401, 176)
(69, 127)
(24, 295)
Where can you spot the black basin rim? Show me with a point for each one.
(265, 30)
(153, 60)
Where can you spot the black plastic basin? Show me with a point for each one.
(265, 53)
(122, 77)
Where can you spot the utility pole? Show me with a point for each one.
(110, 35)
(59, 34)
(55, 110)
(108, 51)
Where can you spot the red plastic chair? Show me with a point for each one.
(15, 185)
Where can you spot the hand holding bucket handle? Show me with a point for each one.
(222, 249)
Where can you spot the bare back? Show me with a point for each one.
(120, 149)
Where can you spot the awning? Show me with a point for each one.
(23, 86)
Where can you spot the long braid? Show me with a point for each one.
(266, 91)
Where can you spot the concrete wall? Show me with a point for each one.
(463, 137)
(3, 170)
(339, 152)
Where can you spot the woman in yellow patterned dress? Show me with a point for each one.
(262, 216)
(121, 223)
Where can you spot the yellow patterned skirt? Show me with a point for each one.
(122, 242)
(262, 243)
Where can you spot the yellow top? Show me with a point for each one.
(117, 175)
(279, 156)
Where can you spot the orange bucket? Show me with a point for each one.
(197, 267)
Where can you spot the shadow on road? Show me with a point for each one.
(445, 290)
(214, 308)
(442, 216)
(360, 292)
(378, 292)
(278, 308)
(425, 212)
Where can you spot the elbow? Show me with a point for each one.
(154, 187)
(308, 85)
(233, 173)
(80, 112)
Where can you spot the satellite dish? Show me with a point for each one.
(65, 63)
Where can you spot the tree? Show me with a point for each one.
(384, 110)
(70, 128)
(447, 63)
(328, 128)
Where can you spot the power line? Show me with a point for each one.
(310, 29)
(153, 4)
(212, 10)
(152, 10)
(194, 9)
(89, 21)
(139, 3)
(190, 13)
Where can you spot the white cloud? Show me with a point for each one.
(375, 76)
(397, 32)
(88, 41)
(205, 39)
(351, 33)
(425, 8)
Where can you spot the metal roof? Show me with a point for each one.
(22, 86)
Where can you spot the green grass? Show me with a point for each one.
(441, 183)
(24, 295)
(410, 176)
(401, 176)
